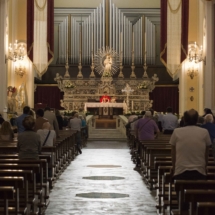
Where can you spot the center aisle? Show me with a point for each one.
(118, 189)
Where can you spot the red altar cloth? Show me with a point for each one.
(105, 99)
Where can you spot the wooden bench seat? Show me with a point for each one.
(182, 185)
(17, 183)
(30, 182)
(194, 196)
(205, 208)
(56, 158)
(6, 193)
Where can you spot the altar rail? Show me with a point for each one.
(121, 121)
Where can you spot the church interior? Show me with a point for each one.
(109, 61)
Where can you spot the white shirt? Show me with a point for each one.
(190, 143)
(169, 122)
(75, 124)
(131, 118)
(43, 134)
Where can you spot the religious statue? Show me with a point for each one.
(59, 78)
(106, 61)
(105, 98)
(21, 96)
(11, 102)
(107, 66)
(155, 78)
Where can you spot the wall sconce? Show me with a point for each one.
(192, 73)
(21, 70)
(195, 54)
(16, 51)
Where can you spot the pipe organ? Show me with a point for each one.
(81, 32)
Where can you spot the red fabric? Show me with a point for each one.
(50, 28)
(164, 97)
(105, 98)
(30, 28)
(184, 28)
(163, 30)
(49, 95)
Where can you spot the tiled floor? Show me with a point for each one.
(137, 200)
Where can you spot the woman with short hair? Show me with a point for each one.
(29, 144)
(6, 131)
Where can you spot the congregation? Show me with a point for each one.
(190, 140)
(33, 132)
(75, 76)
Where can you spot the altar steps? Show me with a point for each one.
(106, 134)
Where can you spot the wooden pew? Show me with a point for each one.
(30, 197)
(47, 157)
(6, 193)
(205, 208)
(33, 189)
(182, 185)
(43, 183)
(58, 158)
(17, 183)
(194, 196)
(150, 171)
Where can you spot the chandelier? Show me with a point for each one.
(16, 51)
(195, 54)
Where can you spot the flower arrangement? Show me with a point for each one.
(106, 74)
(142, 86)
(68, 113)
(69, 84)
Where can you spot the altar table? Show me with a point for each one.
(104, 106)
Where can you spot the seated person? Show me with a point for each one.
(29, 143)
(47, 136)
(105, 98)
(40, 120)
(6, 132)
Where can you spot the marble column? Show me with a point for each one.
(209, 74)
(3, 68)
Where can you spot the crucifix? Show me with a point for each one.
(127, 90)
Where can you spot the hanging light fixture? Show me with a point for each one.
(16, 51)
(195, 54)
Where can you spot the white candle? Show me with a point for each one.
(132, 105)
(121, 41)
(145, 41)
(133, 41)
(145, 56)
(92, 46)
(120, 48)
(92, 41)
